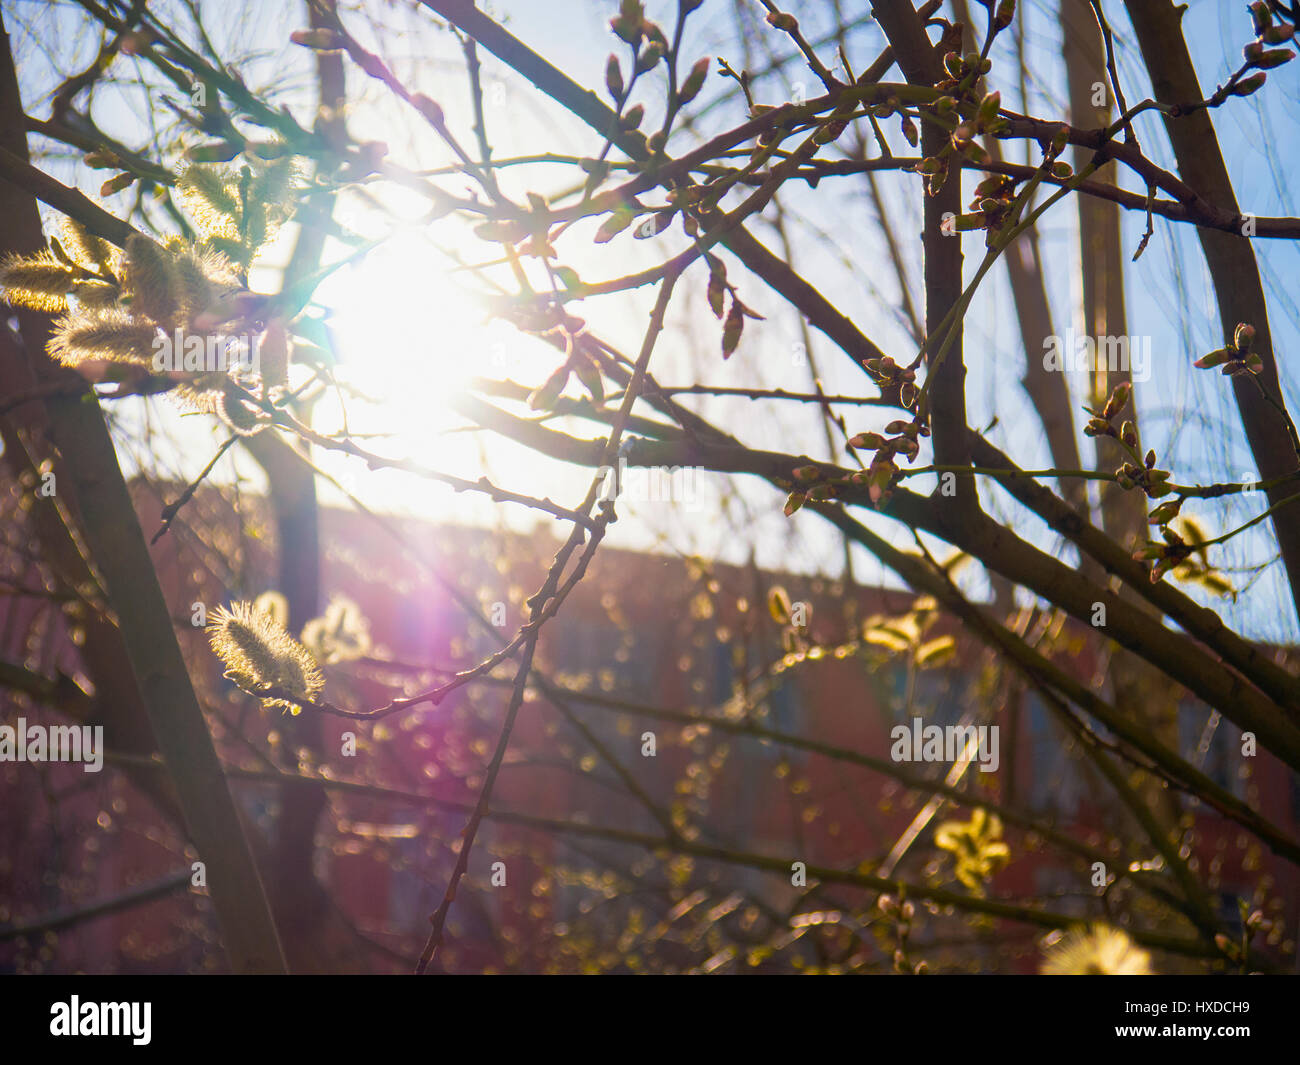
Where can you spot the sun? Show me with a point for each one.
(410, 335)
(404, 325)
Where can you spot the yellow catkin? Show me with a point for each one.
(150, 280)
(259, 653)
(194, 289)
(211, 200)
(102, 333)
(38, 281)
(1096, 951)
(88, 250)
(239, 415)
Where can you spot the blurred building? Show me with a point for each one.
(644, 640)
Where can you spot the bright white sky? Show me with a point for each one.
(410, 330)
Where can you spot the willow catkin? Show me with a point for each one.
(107, 333)
(259, 653)
(149, 278)
(38, 281)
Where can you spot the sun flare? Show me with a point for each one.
(410, 337)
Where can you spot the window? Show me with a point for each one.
(1211, 743)
(1056, 784)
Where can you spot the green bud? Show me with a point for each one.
(1165, 512)
(1261, 16)
(613, 76)
(1249, 85)
(1274, 57)
(694, 82)
(988, 108)
(1214, 358)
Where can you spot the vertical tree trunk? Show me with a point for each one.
(301, 907)
(89, 474)
(1139, 692)
(1229, 257)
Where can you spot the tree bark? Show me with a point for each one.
(89, 474)
(1229, 257)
